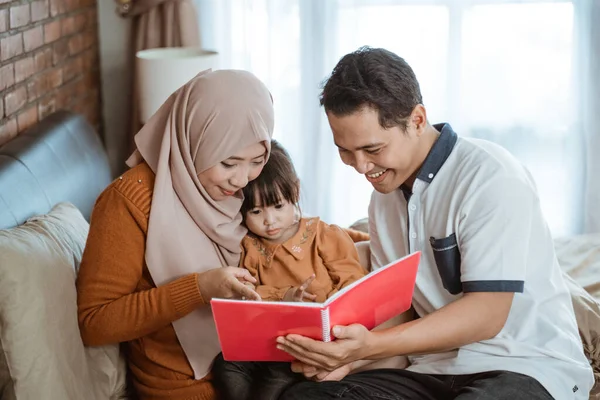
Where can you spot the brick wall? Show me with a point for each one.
(48, 61)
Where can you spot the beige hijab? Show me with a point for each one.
(206, 121)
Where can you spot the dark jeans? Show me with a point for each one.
(392, 384)
(252, 380)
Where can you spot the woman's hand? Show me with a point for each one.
(299, 293)
(227, 283)
(251, 286)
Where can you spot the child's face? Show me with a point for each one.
(274, 223)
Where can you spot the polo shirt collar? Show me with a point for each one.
(437, 156)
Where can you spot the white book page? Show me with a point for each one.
(272, 303)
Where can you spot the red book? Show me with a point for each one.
(248, 329)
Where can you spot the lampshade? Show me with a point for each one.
(162, 71)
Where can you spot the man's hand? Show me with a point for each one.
(299, 293)
(472, 318)
(227, 283)
(352, 343)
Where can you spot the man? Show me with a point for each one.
(496, 319)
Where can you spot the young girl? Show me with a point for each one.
(293, 259)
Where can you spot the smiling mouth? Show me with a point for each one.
(377, 177)
(227, 192)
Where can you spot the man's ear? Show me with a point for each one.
(418, 118)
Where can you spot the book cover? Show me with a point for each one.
(248, 329)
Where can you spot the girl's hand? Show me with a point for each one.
(299, 293)
(227, 283)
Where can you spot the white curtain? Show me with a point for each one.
(588, 105)
(523, 74)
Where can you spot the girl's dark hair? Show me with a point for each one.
(375, 78)
(277, 182)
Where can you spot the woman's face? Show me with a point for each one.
(229, 176)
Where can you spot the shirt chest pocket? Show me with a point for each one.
(447, 260)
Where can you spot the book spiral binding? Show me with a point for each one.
(326, 325)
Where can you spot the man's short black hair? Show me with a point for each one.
(375, 78)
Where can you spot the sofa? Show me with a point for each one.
(50, 177)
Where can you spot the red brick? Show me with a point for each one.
(27, 118)
(11, 46)
(33, 38)
(33, 91)
(92, 17)
(93, 78)
(3, 20)
(39, 86)
(43, 84)
(7, 76)
(81, 88)
(89, 38)
(8, 130)
(91, 111)
(67, 26)
(72, 69)
(78, 107)
(43, 59)
(49, 62)
(14, 100)
(39, 10)
(71, 5)
(52, 31)
(46, 81)
(24, 69)
(46, 106)
(80, 21)
(57, 7)
(19, 16)
(64, 97)
(61, 51)
(88, 60)
(75, 44)
(53, 79)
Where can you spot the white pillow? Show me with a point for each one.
(39, 334)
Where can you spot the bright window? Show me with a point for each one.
(497, 70)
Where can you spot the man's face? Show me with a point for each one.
(387, 157)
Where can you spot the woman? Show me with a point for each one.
(165, 237)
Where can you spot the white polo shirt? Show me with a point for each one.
(474, 213)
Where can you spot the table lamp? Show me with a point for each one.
(162, 71)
